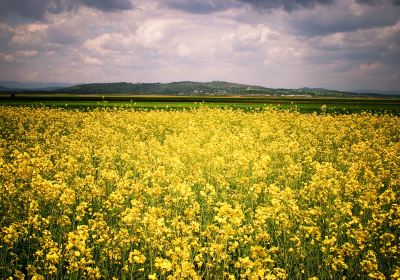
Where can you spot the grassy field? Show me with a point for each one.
(302, 104)
(209, 193)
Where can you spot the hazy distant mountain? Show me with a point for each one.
(386, 92)
(33, 86)
(319, 89)
(184, 88)
(203, 88)
(175, 88)
(4, 89)
(355, 93)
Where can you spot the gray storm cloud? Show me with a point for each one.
(200, 6)
(36, 9)
(108, 5)
(212, 6)
(288, 5)
(343, 20)
(377, 2)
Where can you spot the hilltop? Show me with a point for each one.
(174, 88)
(196, 89)
(185, 88)
(214, 88)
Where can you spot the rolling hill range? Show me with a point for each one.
(174, 88)
(13, 85)
(186, 88)
(196, 89)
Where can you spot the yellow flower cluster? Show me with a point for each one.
(198, 194)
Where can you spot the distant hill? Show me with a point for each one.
(187, 88)
(13, 85)
(175, 88)
(3, 89)
(194, 88)
(386, 92)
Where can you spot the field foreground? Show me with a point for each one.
(205, 193)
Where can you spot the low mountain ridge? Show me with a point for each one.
(176, 88)
(13, 85)
(4, 89)
(192, 88)
(188, 88)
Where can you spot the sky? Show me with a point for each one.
(336, 44)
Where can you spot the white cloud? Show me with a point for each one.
(184, 50)
(7, 58)
(97, 45)
(369, 68)
(250, 38)
(29, 36)
(91, 60)
(25, 54)
(5, 28)
(153, 33)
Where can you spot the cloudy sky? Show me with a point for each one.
(337, 44)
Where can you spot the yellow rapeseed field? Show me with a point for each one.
(198, 194)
